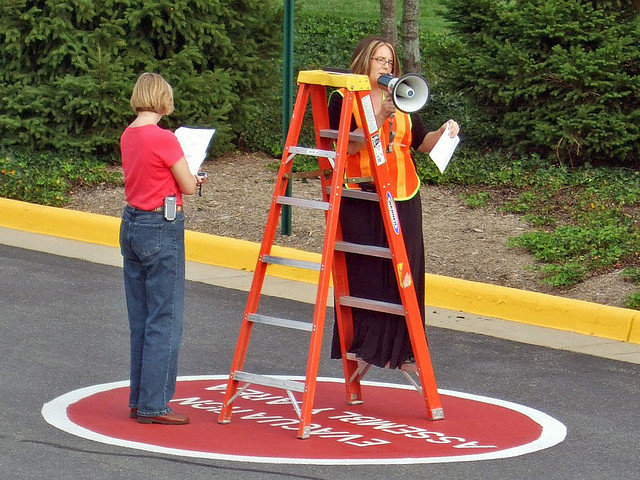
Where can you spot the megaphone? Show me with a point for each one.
(410, 92)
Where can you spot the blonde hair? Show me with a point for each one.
(361, 58)
(152, 93)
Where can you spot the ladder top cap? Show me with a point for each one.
(350, 81)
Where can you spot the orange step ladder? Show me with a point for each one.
(331, 164)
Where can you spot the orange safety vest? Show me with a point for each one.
(402, 171)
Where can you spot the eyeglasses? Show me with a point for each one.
(383, 61)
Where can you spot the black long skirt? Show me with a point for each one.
(379, 338)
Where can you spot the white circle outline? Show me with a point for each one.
(553, 431)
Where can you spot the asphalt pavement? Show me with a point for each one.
(63, 327)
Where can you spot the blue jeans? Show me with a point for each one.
(154, 282)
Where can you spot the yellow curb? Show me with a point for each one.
(59, 222)
(533, 308)
(243, 255)
(442, 292)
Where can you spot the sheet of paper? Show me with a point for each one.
(195, 143)
(443, 150)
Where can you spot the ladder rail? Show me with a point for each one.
(353, 389)
(253, 299)
(321, 121)
(400, 260)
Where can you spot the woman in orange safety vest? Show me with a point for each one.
(379, 338)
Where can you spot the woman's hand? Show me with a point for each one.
(454, 128)
(431, 138)
(387, 108)
(201, 177)
(185, 180)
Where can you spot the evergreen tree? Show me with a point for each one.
(67, 68)
(556, 77)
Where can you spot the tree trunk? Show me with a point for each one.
(388, 26)
(410, 36)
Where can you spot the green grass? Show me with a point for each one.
(49, 178)
(430, 19)
(586, 221)
(632, 274)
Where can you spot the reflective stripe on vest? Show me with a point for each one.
(402, 172)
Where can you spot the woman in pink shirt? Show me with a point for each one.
(156, 175)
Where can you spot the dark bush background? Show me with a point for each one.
(67, 68)
(559, 79)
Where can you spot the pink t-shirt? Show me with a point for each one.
(148, 153)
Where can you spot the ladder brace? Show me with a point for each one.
(374, 305)
(291, 262)
(268, 381)
(302, 202)
(280, 322)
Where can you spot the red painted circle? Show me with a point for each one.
(390, 425)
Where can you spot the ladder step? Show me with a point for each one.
(302, 202)
(358, 180)
(314, 174)
(312, 152)
(280, 322)
(268, 381)
(374, 305)
(371, 250)
(291, 262)
(331, 133)
(360, 194)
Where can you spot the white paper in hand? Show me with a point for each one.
(443, 150)
(194, 143)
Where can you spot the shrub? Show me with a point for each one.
(319, 42)
(67, 68)
(633, 275)
(593, 213)
(48, 178)
(558, 78)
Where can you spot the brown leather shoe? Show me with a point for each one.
(133, 413)
(171, 418)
